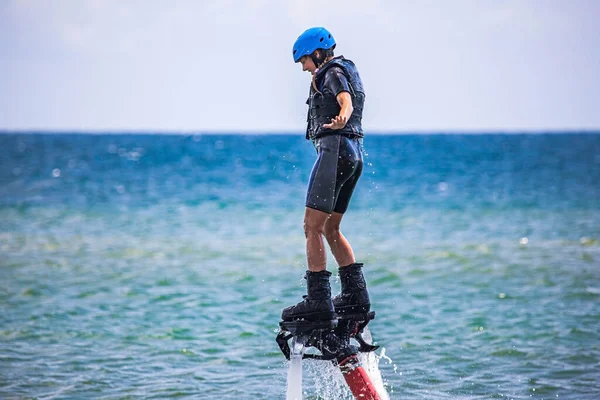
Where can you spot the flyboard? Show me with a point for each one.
(333, 340)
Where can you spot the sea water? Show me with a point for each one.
(156, 266)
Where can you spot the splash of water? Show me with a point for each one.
(370, 362)
(294, 378)
(329, 383)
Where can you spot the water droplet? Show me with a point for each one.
(523, 241)
(56, 172)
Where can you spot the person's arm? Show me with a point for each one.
(346, 109)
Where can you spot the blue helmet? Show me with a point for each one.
(311, 40)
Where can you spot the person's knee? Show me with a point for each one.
(332, 230)
(313, 227)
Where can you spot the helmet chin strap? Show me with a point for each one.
(318, 61)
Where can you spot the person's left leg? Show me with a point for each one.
(314, 229)
(320, 200)
(317, 304)
(334, 175)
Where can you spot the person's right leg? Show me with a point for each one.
(349, 170)
(339, 245)
(354, 297)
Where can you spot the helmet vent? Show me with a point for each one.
(329, 37)
(295, 51)
(321, 39)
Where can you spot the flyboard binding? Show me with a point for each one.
(332, 339)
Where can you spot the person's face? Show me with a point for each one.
(308, 64)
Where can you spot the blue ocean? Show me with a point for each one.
(148, 266)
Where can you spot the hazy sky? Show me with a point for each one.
(227, 65)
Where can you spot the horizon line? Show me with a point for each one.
(290, 132)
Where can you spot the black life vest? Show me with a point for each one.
(323, 106)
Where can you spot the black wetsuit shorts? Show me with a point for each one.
(335, 173)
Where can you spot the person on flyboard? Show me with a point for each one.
(335, 107)
(334, 124)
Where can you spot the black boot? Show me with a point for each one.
(317, 305)
(354, 298)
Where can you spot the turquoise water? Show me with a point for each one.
(156, 267)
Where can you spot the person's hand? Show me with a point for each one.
(337, 122)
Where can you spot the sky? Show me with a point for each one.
(226, 65)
